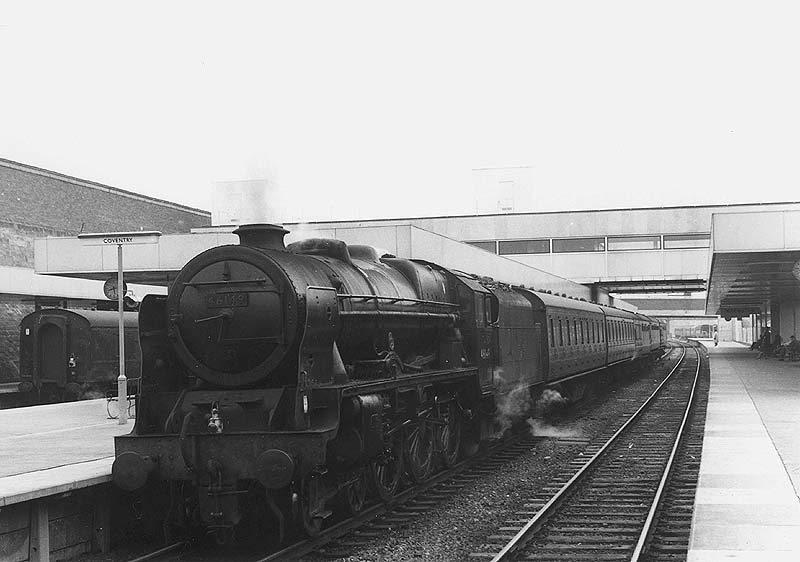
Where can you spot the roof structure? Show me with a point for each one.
(755, 260)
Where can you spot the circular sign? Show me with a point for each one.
(796, 270)
(110, 289)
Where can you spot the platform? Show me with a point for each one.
(747, 506)
(55, 448)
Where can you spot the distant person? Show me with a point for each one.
(764, 343)
(790, 350)
(716, 339)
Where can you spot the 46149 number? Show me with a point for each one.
(227, 300)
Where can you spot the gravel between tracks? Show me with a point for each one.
(453, 529)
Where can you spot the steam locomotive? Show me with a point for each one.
(292, 381)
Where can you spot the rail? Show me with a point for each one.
(535, 524)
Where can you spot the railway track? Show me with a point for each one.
(608, 507)
(347, 537)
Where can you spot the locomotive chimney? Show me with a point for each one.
(264, 236)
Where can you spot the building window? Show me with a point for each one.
(506, 247)
(489, 246)
(682, 241)
(564, 245)
(621, 243)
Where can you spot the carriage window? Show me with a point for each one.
(569, 334)
(492, 312)
(560, 333)
(583, 333)
(552, 335)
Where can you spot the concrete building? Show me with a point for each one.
(621, 250)
(38, 202)
(754, 271)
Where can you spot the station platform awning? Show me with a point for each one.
(20, 284)
(755, 260)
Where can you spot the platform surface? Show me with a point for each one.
(747, 506)
(42, 437)
(56, 447)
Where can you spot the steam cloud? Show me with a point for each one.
(550, 400)
(541, 429)
(512, 405)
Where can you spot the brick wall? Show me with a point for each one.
(16, 242)
(71, 206)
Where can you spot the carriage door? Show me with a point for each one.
(540, 350)
(52, 352)
(485, 338)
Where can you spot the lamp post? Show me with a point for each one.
(120, 239)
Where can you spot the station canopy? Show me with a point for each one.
(755, 260)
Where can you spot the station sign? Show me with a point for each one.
(120, 238)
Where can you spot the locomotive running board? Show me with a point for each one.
(412, 379)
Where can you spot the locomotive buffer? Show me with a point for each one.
(117, 291)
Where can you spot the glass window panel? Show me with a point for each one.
(507, 247)
(617, 243)
(489, 246)
(560, 334)
(675, 241)
(564, 245)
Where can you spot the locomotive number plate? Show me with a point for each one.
(227, 300)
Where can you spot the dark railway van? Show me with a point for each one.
(74, 354)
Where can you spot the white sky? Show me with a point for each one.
(376, 109)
